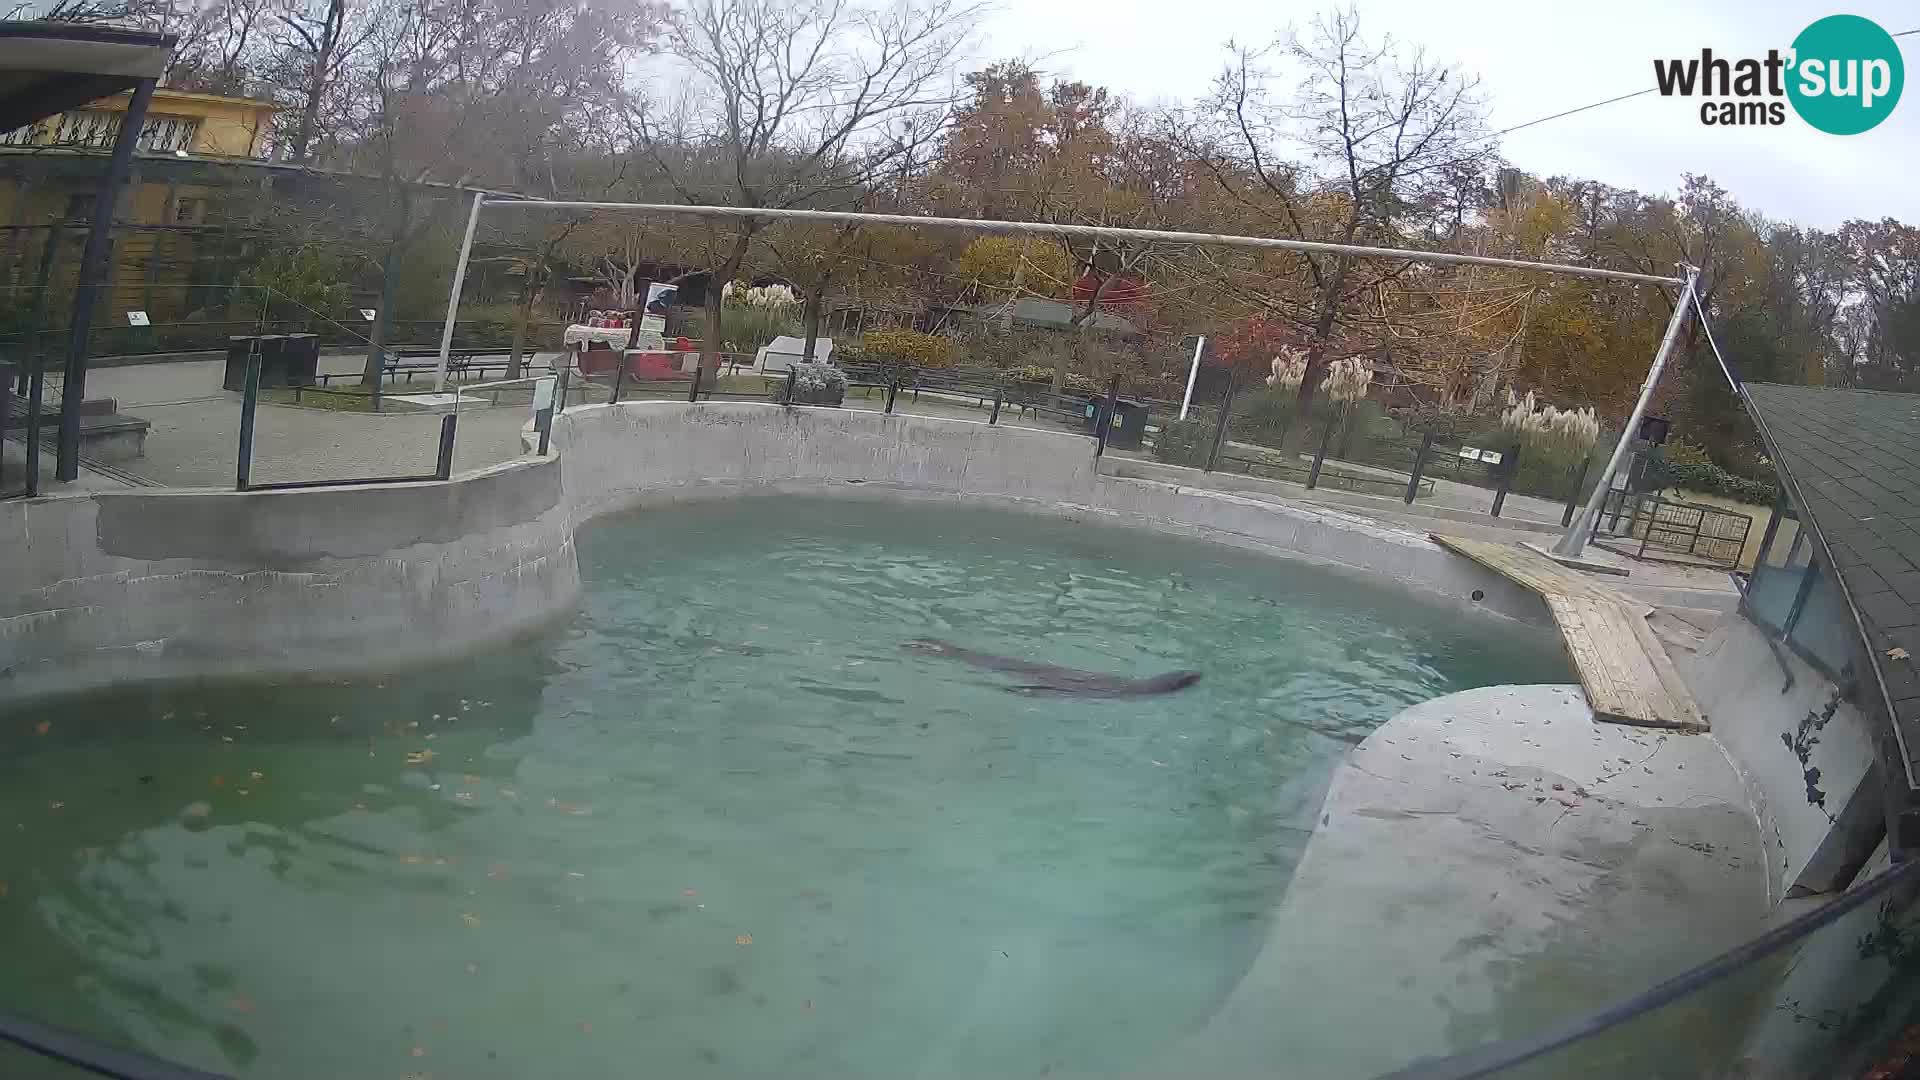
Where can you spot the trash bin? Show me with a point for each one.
(1127, 427)
(273, 360)
(1092, 414)
(236, 374)
(302, 353)
(1129, 424)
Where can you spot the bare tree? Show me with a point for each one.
(315, 41)
(1366, 133)
(802, 103)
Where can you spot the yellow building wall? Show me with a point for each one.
(148, 268)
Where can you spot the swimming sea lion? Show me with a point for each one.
(1053, 679)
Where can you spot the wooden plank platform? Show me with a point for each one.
(1626, 673)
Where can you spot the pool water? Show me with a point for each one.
(720, 822)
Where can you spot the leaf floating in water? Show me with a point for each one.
(575, 874)
(473, 969)
(1895, 653)
(498, 871)
(240, 1004)
(469, 778)
(43, 727)
(743, 939)
(508, 793)
(55, 804)
(470, 920)
(463, 796)
(256, 776)
(419, 1051)
(413, 860)
(419, 757)
(586, 1027)
(3, 890)
(689, 892)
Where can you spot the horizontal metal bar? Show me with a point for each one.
(1017, 228)
(291, 485)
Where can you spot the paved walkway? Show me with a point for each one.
(194, 441)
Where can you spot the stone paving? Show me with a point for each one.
(194, 440)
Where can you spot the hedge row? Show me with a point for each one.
(1710, 479)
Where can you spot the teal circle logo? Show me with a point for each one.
(1847, 74)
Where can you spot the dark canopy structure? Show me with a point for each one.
(1849, 461)
(47, 68)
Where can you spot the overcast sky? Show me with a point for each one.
(1535, 59)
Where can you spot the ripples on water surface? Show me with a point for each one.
(721, 823)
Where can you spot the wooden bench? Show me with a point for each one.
(1626, 673)
(426, 361)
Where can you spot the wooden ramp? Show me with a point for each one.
(1626, 672)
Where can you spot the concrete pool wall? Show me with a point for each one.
(1456, 796)
(127, 586)
(111, 587)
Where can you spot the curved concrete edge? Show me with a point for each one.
(1496, 860)
(642, 454)
(1806, 753)
(131, 586)
(118, 586)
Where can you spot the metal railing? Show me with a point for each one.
(1670, 528)
(249, 407)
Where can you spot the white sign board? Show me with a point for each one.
(660, 296)
(368, 313)
(137, 318)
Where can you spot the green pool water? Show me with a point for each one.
(720, 822)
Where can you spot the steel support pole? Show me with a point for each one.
(1193, 373)
(453, 295)
(1506, 479)
(1575, 540)
(73, 386)
(1320, 455)
(249, 401)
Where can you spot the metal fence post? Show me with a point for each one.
(619, 379)
(693, 392)
(1104, 415)
(1220, 429)
(243, 470)
(443, 465)
(560, 390)
(1506, 479)
(543, 418)
(999, 393)
(893, 389)
(1320, 455)
(793, 379)
(36, 389)
(1419, 463)
(1573, 500)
